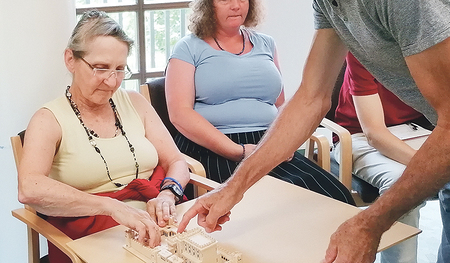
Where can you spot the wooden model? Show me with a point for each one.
(191, 246)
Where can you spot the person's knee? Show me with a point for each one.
(389, 177)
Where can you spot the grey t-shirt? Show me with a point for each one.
(380, 33)
(234, 93)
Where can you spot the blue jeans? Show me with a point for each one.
(444, 202)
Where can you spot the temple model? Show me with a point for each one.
(191, 246)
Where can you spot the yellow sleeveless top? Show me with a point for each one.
(76, 162)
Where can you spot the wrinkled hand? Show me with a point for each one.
(354, 241)
(213, 209)
(162, 208)
(138, 220)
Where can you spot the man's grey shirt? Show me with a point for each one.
(380, 33)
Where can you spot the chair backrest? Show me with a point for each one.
(17, 143)
(154, 91)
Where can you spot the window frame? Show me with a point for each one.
(140, 8)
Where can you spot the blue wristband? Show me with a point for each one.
(173, 180)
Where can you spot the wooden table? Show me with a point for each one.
(276, 222)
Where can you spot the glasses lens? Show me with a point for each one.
(101, 73)
(106, 73)
(120, 74)
(127, 74)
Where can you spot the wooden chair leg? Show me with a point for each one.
(33, 246)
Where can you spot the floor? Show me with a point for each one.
(429, 239)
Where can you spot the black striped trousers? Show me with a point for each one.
(299, 171)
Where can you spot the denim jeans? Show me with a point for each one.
(444, 202)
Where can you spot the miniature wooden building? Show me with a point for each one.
(191, 246)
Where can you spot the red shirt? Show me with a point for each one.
(359, 82)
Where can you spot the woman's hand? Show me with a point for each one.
(249, 148)
(139, 220)
(290, 158)
(162, 208)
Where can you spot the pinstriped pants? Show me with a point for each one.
(299, 171)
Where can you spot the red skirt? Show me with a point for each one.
(77, 227)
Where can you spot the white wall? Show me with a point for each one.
(33, 37)
(290, 23)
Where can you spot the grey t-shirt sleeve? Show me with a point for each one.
(320, 21)
(416, 33)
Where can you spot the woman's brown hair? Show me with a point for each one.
(203, 18)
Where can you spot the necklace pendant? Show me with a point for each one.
(68, 94)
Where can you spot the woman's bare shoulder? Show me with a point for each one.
(43, 125)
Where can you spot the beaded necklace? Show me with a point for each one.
(91, 134)
(243, 44)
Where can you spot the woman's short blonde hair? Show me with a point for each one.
(203, 18)
(92, 24)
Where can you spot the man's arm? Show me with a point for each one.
(301, 115)
(296, 121)
(427, 172)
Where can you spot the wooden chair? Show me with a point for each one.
(36, 225)
(154, 92)
(317, 147)
(363, 192)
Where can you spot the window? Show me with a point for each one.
(154, 25)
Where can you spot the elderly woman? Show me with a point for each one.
(223, 89)
(97, 142)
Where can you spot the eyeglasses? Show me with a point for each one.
(105, 73)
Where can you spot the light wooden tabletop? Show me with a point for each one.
(275, 222)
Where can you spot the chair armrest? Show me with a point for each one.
(346, 161)
(195, 166)
(54, 235)
(203, 182)
(323, 150)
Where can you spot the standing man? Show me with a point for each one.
(406, 46)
